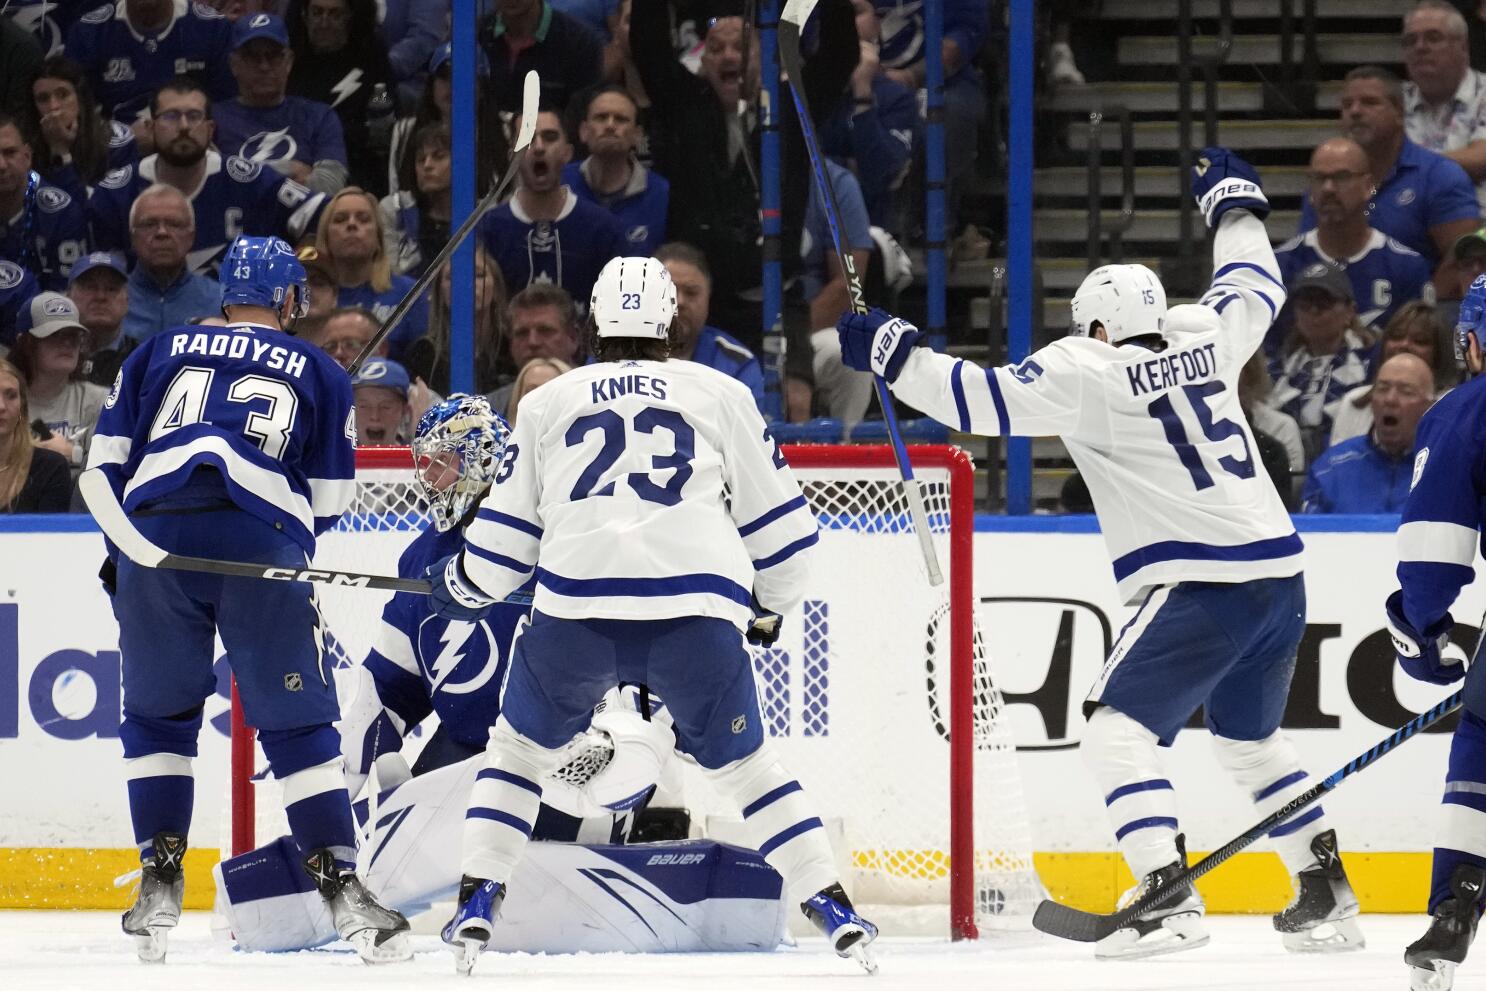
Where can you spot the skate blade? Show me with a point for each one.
(466, 952)
(1180, 932)
(394, 949)
(151, 945)
(1337, 936)
(1441, 977)
(858, 951)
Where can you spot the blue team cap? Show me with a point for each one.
(259, 26)
(384, 374)
(98, 259)
(444, 54)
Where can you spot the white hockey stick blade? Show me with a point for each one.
(531, 92)
(99, 497)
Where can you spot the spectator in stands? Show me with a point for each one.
(163, 291)
(414, 30)
(320, 281)
(1372, 473)
(229, 196)
(42, 228)
(427, 359)
(1415, 329)
(544, 324)
(33, 479)
(612, 176)
(1326, 354)
(435, 106)
(17, 287)
(1444, 99)
(351, 245)
(20, 56)
(619, 68)
(1384, 274)
(1468, 258)
(236, 10)
(699, 341)
(380, 390)
(99, 285)
(1284, 455)
(521, 35)
(130, 49)
(75, 144)
(545, 233)
(876, 131)
(48, 353)
(296, 137)
(345, 333)
(339, 59)
(1420, 198)
(533, 375)
(416, 221)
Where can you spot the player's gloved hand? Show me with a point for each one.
(454, 596)
(764, 629)
(1221, 181)
(876, 342)
(1421, 655)
(108, 574)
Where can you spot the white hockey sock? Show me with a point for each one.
(504, 803)
(1123, 757)
(1269, 770)
(780, 822)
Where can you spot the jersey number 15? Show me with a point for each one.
(1216, 431)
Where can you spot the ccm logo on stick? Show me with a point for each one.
(309, 575)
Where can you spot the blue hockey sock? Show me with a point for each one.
(307, 762)
(1462, 835)
(157, 766)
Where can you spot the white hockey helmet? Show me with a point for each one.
(1126, 299)
(633, 297)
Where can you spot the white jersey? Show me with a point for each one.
(1159, 437)
(643, 490)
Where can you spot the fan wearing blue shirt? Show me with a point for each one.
(296, 137)
(1420, 198)
(546, 233)
(42, 228)
(699, 341)
(163, 291)
(1372, 473)
(612, 176)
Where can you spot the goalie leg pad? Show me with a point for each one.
(308, 763)
(504, 803)
(1123, 756)
(1269, 770)
(780, 821)
(157, 766)
(1461, 835)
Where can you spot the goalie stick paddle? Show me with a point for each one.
(791, 23)
(117, 527)
(530, 92)
(1090, 927)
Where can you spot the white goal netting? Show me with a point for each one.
(859, 694)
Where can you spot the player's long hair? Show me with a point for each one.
(633, 348)
(381, 274)
(15, 450)
(90, 147)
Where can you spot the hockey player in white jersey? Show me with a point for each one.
(662, 523)
(1145, 399)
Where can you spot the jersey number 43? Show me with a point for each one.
(189, 396)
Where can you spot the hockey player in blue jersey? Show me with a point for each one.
(612, 489)
(233, 442)
(1146, 400)
(1437, 540)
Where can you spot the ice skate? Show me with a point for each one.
(1169, 928)
(474, 920)
(1432, 958)
(162, 886)
(379, 934)
(1322, 918)
(848, 932)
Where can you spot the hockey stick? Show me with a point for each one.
(117, 527)
(791, 23)
(1090, 927)
(530, 92)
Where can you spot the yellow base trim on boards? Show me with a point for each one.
(83, 877)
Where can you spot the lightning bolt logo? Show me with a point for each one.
(451, 651)
(348, 85)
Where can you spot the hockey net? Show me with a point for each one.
(878, 694)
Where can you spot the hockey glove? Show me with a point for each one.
(108, 574)
(764, 630)
(876, 342)
(454, 597)
(1222, 181)
(1421, 655)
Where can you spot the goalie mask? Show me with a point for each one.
(1127, 300)
(456, 450)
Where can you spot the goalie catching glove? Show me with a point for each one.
(877, 342)
(1221, 181)
(1421, 655)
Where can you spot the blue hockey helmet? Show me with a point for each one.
(456, 450)
(258, 271)
(1472, 318)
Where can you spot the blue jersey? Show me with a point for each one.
(47, 235)
(236, 197)
(270, 412)
(126, 67)
(569, 251)
(1442, 519)
(1385, 275)
(1355, 476)
(640, 208)
(382, 304)
(17, 286)
(901, 30)
(718, 350)
(879, 142)
(123, 149)
(297, 129)
(422, 664)
(48, 20)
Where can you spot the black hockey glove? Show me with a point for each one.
(765, 629)
(108, 574)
